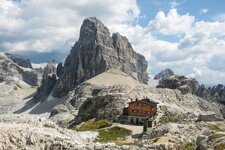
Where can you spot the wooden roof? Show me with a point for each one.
(146, 101)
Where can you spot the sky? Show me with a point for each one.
(187, 36)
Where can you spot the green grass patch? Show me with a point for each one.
(214, 127)
(48, 126)
(215, 136)
(114, 134)
(93, 125)
(221, 146)
(189, 146)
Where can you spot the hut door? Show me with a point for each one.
(137, 120)
(131, 120)
(150, 124)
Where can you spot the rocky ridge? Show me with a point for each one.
(216, 93)
(16, 83)
(167, 79)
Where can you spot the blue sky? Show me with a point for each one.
(187, 36)
(149, 8)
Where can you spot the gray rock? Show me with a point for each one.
(102, 107)
(209, 116)
(59, 70)
(48, 82)
(204, 92)
(215, 93)
(182, 83)
(95, 52)
(10, 71)
(20, 61)
(59, 109)
(164, 74)
(201, 142)
(160, 131)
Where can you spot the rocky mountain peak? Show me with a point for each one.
(48, 82)
(164, 74)
(91, 29)
(96, 52)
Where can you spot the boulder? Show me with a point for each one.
(158, 132)
(201, 142)
(209, 116)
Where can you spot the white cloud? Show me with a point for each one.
(203, 11)
(220, 17)
(172, 23)
(198, 53)
(41, 65)
(174, 4)
(47, 25)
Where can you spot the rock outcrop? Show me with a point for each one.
(218, 93)
(164, 74)
(209, 116)
(167, 79)
(48, 82)
(95, 52)
(182, 83)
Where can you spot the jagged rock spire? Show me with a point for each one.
(95, 52)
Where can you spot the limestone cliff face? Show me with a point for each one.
(216, 92)
(13, 70)
(95, 52)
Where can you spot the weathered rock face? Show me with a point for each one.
(212, 93)
(12, 72)
(164, 74)
(48, 82)
(102, 107)
(20, 61)
(185, 85)
(95, 52)
(59, 69)
(204, 92)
